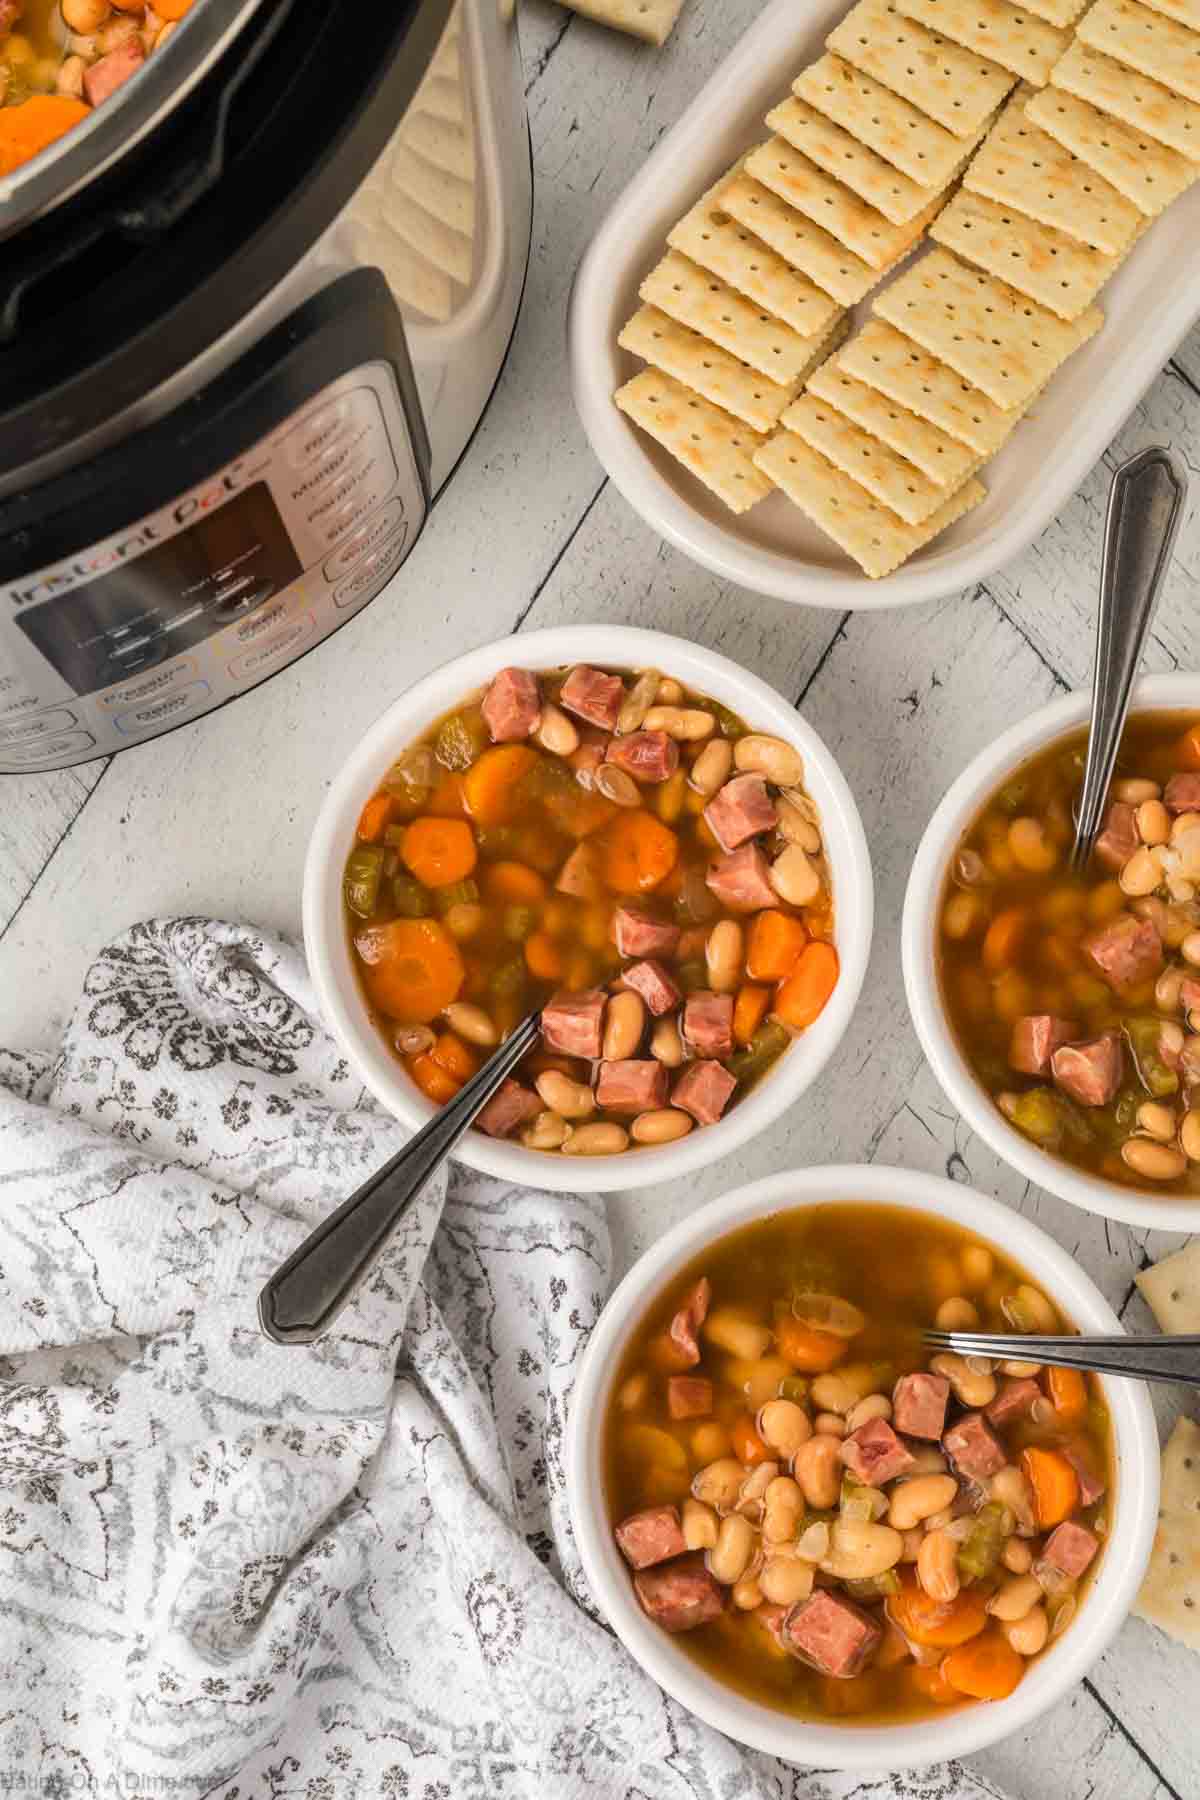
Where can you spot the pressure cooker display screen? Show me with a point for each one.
(173, 596)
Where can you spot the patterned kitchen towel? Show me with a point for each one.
(335, 1573)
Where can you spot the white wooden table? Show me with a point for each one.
(214, 819)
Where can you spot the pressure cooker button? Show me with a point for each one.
(264, 656)
(67, 743)
(251, 629)
(370, 575)
(315, 432)
(149, 686)
(154, 714)
(44, 725)
(377, 528)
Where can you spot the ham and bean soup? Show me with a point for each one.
(837, 1521)
(620, 853)
(1076, 999)
(61, 58)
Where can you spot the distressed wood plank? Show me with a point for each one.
(35, 813)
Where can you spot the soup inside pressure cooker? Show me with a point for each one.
(61, 58)
(1076, 998)
(834, 1520)
(624, 855)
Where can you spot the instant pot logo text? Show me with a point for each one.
(166, 524)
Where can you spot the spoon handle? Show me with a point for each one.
(1145, 508)
(304, 1296)
(1166, 1358)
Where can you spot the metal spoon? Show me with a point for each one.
(1160, 1358)
(306, 1294)
(1145, 508)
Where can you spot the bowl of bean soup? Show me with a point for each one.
(827, 1540)
(626, 833)
(1061, 1011)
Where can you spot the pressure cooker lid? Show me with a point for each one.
(136, 272)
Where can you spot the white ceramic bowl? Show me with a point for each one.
(850, 1746)
(328, 948)
(981, 778)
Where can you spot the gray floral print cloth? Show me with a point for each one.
(330, 1573)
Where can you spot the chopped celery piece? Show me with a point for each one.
(728, 723)
(980, 1552)
(1013, 795)
(456, 893)
(874, 1587)
(1144, 1036)
(858, 1501)
(460, 740)
(692, 976)
(508, 980)
(393, 835)
(412, 901)
(794, 1387)
(768, 1043)
(1049, 1118)
(518, 922)
(364, 871)
(694, 903)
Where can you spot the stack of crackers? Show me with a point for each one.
(904, 131)
(415, 215)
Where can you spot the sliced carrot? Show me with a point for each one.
(988, 1668)
(1187, 749)
(439, 851)
(34, 124)
(929, 1682)
(773, 946)
(749, 1010)
(490, 785)
(411, 969)
(375, 816)
(748, 1447)
(936, 1624)
(801, 999)
(436, 1083)
(513, 884)
(543, 957)
(1068, 1394)
(173, 9)
(446, 801)
(806, 1349)
(1004, 938)
(639, 852)
(1055, 1485)
(451, 1054)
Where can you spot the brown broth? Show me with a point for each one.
(1049, 972)
(897, 1266)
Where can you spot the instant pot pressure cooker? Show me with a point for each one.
(251, 311)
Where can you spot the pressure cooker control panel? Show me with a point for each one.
(234, 575)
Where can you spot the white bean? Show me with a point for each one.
(794, 877)
(728, 1330)
(1156, 1120)
(618, 786)
(1016, 1556)
(971, 1387)
(830, 1425)
(1155, 1162)
(688, 724)
(817, 1466)
(472, 1023)
(1011, 1488)
(730, 1556)
(839, 1389)
(1028, 1635)
(666, 1125)
(784, 1426)
(747, 1593)
(547, 1132)
(723, 956)
(624, 1023)
(875, 1406)
(796, 820)
(555, 732)
(918, 1497)
(570, 1099)
(753, 1490)
(859, 1548)
(719, 1483)
(638, 701)
(85, 15)
(937, 1566)
(1134, 789)
(1141, 874)
(1189, 1135)
(783, 1510)
(711, 768)
(785, 1580)
(958, 1314)
(599, 1139)
(670, 691)
(1153, 822)
(699, 1524)
(771, 757)
(1013, 1599)
(69, 79)
(666, 1045)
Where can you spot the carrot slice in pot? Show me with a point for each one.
(1055, 1485)
(987, 1668)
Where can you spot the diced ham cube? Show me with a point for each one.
(1119, 836)
(657, 988)
(1034, 1040)
(1127, 952)
(639, 933)
(1090, 1072)
(573, 1023)
(1014, 1401)
(512, 705)
(107, 75)
(740, 810)
(973, 1447)
(708, 1023)
(704, 1090)
(632, 1087)
(685, 1326)
(580, 874)
(511, 1105)
(646, 755)
(831, 1633)
(1081, 1457)
(650, 1536)
(680, 1595)
(740, 882)
(919, 1404)
(1182, 794)
(689, 1396)
(1070, 1547)
(593, 696)
(875, 1454)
